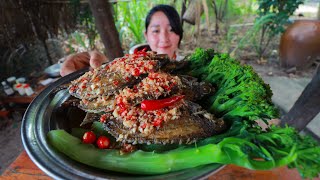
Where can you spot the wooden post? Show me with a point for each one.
(306, 107)
(183, 10)
(318, 14)
(101, 10)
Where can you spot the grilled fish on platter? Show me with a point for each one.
(108, 78)
(187, 128)
(142, 102)
(186, 85)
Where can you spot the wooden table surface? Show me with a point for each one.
(24, 99)
(24, 168)
(16, 98)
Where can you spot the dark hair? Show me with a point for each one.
(171, 14)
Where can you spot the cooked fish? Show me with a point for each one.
(194, 124)
(89, 118)
(195, 90)
(186, 85)
(120, 73)
(143, 102)
(99, 104)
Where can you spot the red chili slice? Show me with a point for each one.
(157, 122)
(135, 51)
(141, 52)
(116, 83)
(136, 72)
(122, 105)
(143, 126)
(150, 105)
(103, 118)
(73, 89)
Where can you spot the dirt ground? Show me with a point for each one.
(269, 65)
(10, 139)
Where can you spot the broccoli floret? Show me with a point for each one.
(240, 90)
(201, 56)
(198, 61)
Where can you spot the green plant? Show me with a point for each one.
(280, 12)
(130, 19)
(250, 37)
(247, 7)
(85, 19)
(78, 42)
(225, 11)
(241, 92)
(225, 45)
(220, 9)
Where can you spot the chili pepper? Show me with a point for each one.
(73, 89)
(136, 72)
(157, 122)
(116, 83)
(103, 118)
(149, 105)
(136, 51)
(141, 52)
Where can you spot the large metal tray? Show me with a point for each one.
(46, 113)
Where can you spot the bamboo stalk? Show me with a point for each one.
(215, 9)
(318, 14)
(183, 10)
(206, 12)
(198, 18)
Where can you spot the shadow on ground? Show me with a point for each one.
(10, 139)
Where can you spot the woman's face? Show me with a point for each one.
(160, 36)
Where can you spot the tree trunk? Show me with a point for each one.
(183, 10)
(47, 51)
(215, 9)
(101, 10)
(318, 15)
(306, 107)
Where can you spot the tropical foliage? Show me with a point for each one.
(238, 25)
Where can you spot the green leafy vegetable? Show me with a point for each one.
(242, 96)
(78, 132)
(138, 162)
(241, 92)
(264, 151)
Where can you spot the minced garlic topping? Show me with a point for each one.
(114, 74)
(100, 87)
(127, 103)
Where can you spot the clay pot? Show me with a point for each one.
(300, 44)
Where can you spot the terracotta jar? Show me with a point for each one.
(300, 44)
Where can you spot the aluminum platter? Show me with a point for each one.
(46, 112)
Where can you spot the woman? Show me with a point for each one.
(163, 32)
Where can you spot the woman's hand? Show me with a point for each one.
(78, 61)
